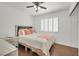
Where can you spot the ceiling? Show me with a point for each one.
(51, 7)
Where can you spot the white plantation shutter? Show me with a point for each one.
(55, 20)
(42, 25)
(46, 24)
(49, 25)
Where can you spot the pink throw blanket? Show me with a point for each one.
(45, 37)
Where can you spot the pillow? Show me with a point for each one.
(30, 29)
(21, 32)
(27, 31)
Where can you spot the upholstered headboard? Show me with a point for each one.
(22, 27)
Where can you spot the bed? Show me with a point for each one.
(38, 42)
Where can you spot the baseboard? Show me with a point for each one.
(66, 44)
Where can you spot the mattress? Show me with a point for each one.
(35, 41)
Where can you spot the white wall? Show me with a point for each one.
(64, 36)
(9, 17)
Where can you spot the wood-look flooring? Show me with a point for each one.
(57, 50)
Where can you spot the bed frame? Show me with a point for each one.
(38, 51)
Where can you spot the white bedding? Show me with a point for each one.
(35, 41)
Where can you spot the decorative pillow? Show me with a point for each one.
(27, 31)
(30, 29)
(21, 32)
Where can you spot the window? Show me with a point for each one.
(49, 25)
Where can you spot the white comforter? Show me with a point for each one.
(35, 41)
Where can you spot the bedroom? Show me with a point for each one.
(14, 15)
